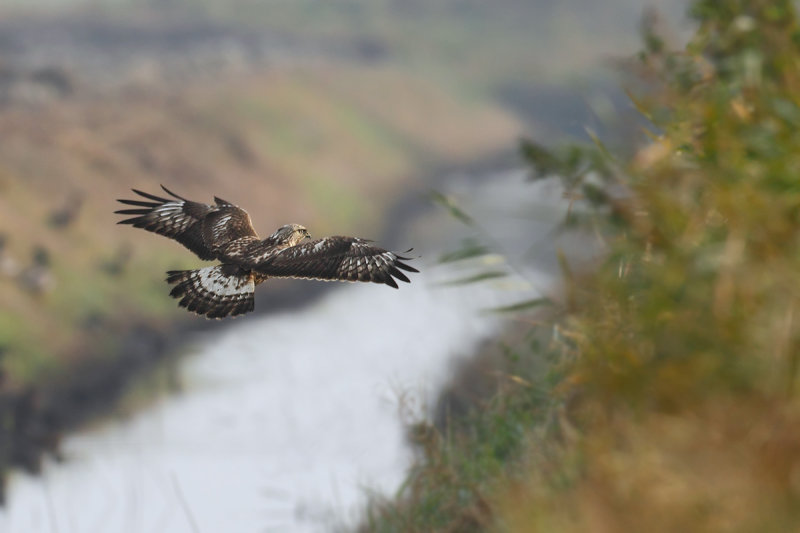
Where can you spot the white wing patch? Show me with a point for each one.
(219, 225)
(174, 217)
(169, 207)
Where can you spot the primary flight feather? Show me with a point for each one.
(224, 232)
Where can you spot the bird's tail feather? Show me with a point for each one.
(214, 292)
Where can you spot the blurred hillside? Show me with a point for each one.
(324, 113)
(94, 104)
(508, 50)
(289, 143)
(321, 112)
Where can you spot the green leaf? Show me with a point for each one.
(522, 306)
(450, 204)
(469, 249)
(483, 276)
(639, 105)
(543, 161)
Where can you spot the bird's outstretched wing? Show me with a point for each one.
(204, 229)
(336, 258)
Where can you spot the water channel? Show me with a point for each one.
(286, 422)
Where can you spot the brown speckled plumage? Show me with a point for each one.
(225, 233)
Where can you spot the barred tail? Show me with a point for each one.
(214, 292)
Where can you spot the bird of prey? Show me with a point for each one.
(223, 232)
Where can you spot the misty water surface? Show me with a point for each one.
(289, 421)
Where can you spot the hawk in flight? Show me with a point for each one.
(223, 232)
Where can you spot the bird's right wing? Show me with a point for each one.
(201, 228)
(336, 259)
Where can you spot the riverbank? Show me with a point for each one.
(39, 415)
(276, 420)
(290, 129)
(84, 307)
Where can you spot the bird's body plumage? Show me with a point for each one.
(224, 232)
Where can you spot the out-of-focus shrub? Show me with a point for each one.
(682, 349)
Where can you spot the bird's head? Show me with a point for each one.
(290, 234)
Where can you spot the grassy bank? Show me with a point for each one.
(661, 392)
(84, 306)
(286, 146)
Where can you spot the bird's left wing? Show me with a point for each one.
(202, 228)
(336, 258)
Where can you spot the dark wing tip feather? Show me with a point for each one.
(220, 202)
(150, 196)
(399, 275)
(132, 211)
(172, 193)
(137, 202)
(407, 268)
(390, 282)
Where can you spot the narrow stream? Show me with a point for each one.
(288, 421)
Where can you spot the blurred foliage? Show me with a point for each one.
(675, 406)
(459, 214)
(460, 467)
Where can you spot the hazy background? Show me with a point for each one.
(336, 114)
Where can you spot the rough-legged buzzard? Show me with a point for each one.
(224, 232)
